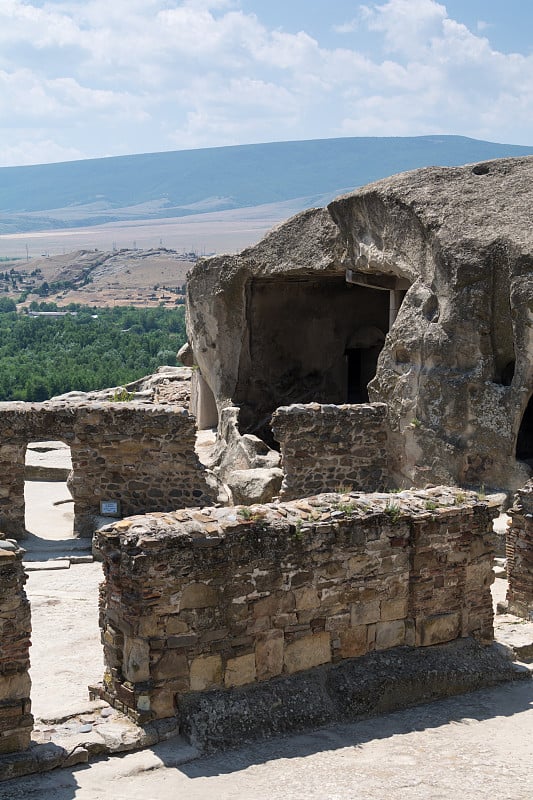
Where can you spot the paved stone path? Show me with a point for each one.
(475, 746)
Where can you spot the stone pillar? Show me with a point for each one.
(520, 554)
(203, 403)
(12, 489)
(16, 720)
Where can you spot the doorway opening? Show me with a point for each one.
(524, 442)
(62, 588)
(48, 504)
(361, 362)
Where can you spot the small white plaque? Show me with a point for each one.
(110, 508)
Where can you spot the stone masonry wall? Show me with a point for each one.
(227, 597)
(139, 454)
(520, 554)
(16, 720)
(327, 447)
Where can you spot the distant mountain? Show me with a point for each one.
(179, 183)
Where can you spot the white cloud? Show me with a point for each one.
(110, 76)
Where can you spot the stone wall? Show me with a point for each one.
(520, 554)
(227, 597)
(325, 448)
(141, 455)
(16, 720)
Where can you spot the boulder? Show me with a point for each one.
(250, 486)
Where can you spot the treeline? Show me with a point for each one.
(91, 348)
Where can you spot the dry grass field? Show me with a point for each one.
(147, 260)
(216, 232)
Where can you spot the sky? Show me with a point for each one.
(90, 78)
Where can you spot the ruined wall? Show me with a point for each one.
(227, 597)
(141, 455)
(520, 554)
(16, 720)
(327, 448)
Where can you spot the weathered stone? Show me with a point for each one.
(438, 629)
(16, 721)
(434, 269)
(390, 634)
(308, 652)
(353, 642)
(306, 598)
(172, 665)
(136, 664)
(198, 595)
(206, 672)
(289, 586)
(254, 485)
(240, 671)
(269, 654)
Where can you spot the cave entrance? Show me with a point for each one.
(524, 442)
(310, 338)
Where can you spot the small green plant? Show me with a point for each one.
(298, 533)
(393, 511)
(122, 396)
(415, 422)
(250, 514)
(343, 489)
(431, 505)
(346, 508)
(481, 495)
(460, 497)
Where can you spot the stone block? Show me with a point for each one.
(390, 634)
(365, 613)
(310, 651)
(172, 665)
(240, 670)
(136, 660)
(175, 625)
(198, 595)
(306, 598)
(15, 741)
(163, 702)
(353, 642)
(16, 686)
(269, 654)
(206, 673)
(438, 629)
(394, 609)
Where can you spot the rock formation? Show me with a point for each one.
(430, 270)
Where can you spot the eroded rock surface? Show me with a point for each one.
(432, 268)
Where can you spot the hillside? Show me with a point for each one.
(191, 182)
(97, 278)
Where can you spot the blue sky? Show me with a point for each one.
(89, 78)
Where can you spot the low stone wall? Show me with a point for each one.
(325, 448)
(520, 554)
(227, 597)
(16, 720)
(140, 455)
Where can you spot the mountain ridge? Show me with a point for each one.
(185, 182)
